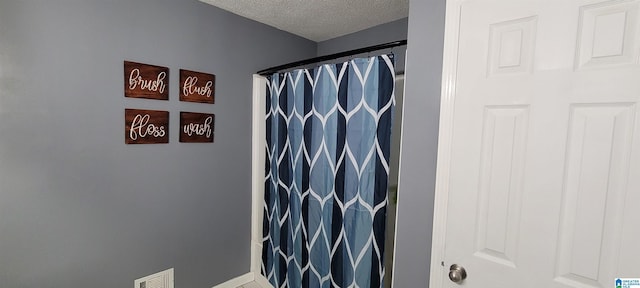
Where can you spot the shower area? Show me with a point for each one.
(326, 149)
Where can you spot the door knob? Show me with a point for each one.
(457, 273)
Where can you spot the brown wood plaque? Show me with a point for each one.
(197, 87)
(146, 126)
(146, 81)
(196, 127)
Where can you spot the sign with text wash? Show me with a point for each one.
(146, 126)
(196, 127)
(197, 87)
(146, 81)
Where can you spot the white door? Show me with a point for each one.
(541, 160)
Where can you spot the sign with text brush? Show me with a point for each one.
(146, 81)
(196, 127)
(146, 126)
(197, 87)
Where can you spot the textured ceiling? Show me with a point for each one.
(317, 20)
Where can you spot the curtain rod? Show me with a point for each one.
(275, 69)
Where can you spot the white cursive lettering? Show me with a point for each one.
(199, 129)
(156, 85)
(141, 128)
(189, 87)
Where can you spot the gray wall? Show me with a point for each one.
(419, 146)
(78, 207)
(392, 31)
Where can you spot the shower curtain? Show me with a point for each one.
(327, 166)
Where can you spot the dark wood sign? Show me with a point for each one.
(146, 126)
(197, 87)
(146, 81)
(196, 127)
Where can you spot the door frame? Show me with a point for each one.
(448, 95)
(258, 142)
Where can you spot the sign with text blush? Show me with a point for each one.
(146, 81)
(146, 126)
(197, 87)
(196, 127)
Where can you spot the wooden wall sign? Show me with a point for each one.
(196, 127)
(197, 87)
(146, 126)
(146, 81)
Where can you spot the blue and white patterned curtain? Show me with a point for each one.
(327, 166)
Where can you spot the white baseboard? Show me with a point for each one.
(237, 282)
(262, 281)
(246, 279)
